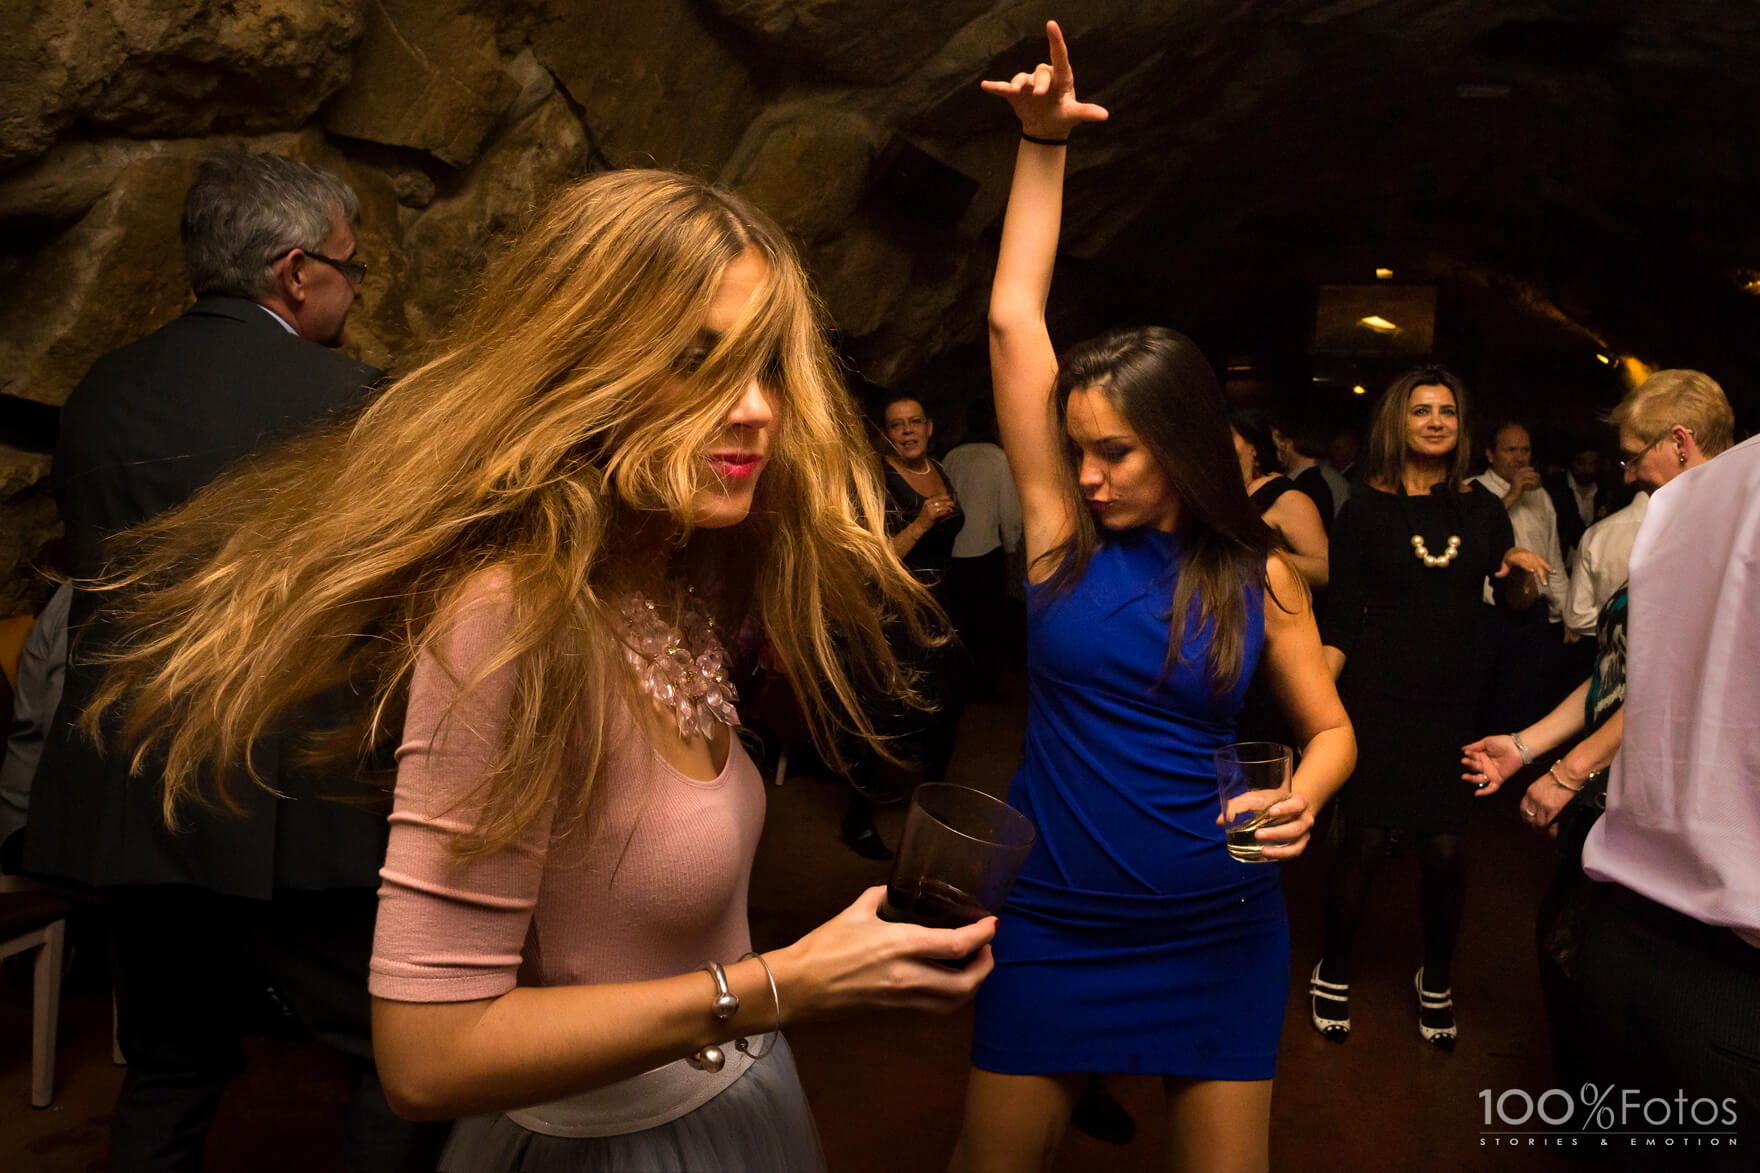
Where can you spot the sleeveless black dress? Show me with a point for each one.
(1411, 677)
(941, 671)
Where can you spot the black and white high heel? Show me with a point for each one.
(1329, 1007)
(1435, 1015)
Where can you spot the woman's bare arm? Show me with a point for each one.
(1302, 683)
(1023, 364)
(1297, 518)
(442, 1060)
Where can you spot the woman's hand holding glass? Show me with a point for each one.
(856, 961)
(1286, 835)
(1045, 99)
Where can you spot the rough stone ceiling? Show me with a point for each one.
(1574, 177)
(1592, 164)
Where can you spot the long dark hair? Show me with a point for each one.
(1387, 429)
(1255, 427)
(1163, 386)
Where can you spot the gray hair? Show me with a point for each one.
(244, 212)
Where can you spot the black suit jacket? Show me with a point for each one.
(149, 425)
(1564, 504)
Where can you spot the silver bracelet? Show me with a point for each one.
(712, 1058)
(1522, 748)
(1559, 779)
(741, 1043)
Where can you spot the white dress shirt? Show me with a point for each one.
(1683, 802)
(1603, 559)
(1536, 526)
(985, 488)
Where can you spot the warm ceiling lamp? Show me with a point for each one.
(1378, 324)
(1384, 274)
(1359, 389)
(1603, 360)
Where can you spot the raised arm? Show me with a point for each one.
(1023, 365)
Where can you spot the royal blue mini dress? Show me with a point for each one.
(1132, 941)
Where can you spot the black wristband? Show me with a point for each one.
(1045, 142)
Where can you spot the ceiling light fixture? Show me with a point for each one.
(1378, 324)
(1604, 360)
(1359, 389)
(1384, 274)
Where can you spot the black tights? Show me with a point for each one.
(1440, 891)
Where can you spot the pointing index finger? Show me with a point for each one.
(1059, 52)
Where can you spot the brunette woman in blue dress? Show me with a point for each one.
(1133, 942)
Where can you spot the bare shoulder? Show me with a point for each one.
(1286, 591)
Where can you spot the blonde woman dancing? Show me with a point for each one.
(526, 553)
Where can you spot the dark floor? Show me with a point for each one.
(887, 1088)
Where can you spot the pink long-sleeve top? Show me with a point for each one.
(652, 884)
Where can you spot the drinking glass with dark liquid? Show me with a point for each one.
(957, 860)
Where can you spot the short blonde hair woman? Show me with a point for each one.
(1672, 421)
(524, 553)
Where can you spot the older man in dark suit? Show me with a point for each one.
(248, 921)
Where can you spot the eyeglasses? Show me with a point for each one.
(355, 271)
(1628, 459)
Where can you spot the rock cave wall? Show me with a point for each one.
(1558, 155)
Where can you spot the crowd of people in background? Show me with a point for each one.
(653, 477)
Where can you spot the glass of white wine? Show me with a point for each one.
(1251, 777)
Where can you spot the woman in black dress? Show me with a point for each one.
(1276, 499)
(922, 518)
(1410, 555)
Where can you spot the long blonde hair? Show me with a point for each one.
(530, 445)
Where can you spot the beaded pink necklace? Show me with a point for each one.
(682, 668)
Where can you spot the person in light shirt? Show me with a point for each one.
(1513, 478)
(982, 550)
(1603, 557)
(1671, 953)
(1526, 645)
(1567, 800)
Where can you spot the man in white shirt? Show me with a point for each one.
(1529, 643)
(1603, 560)
(978, 579)
(1671, 956)
(1512, 478)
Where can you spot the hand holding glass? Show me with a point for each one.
(1251, 777)
(958, 858)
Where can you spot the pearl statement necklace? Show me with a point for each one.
(681, 670)
(1436, 561)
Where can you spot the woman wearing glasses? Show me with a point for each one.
(1674, 421)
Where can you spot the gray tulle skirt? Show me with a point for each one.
(760, 1124)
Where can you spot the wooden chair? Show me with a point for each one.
(32, 918)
